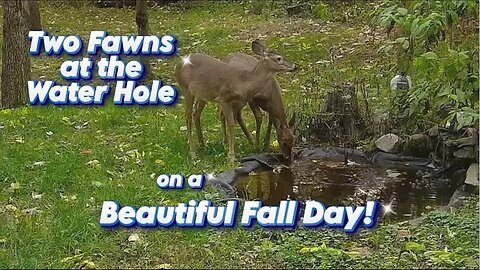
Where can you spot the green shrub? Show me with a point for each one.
(444, 68)
(321, 11)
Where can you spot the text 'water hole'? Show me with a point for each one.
(410, 192)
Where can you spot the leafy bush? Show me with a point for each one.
(445, 76)
(447, 86)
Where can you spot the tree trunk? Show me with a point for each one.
(142, 26)
(16, 58)
(34, 15)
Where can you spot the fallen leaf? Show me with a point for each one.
(97, 183)
(134, 238)
(31, 211)
(93, 163)
(403, 233)
(84, 125)
(66, 120)
(36, 196)
(86, 152)
(71, 258)
(14, 186)
(393, 174)
(39, 163)
(163, 266)
(275, 144)
(351, 163)
(11, 208)
(87, 264)
(68, 197)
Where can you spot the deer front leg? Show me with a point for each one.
(238, 116)
(266, 144)
(230, 122)
(224, 128)
(197, 113)
(189, 99)
(257, 113)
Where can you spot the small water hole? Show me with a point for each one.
(410, 192)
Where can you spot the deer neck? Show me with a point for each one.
(278, 111)
(259, 75)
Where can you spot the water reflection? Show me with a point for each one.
(336, 183)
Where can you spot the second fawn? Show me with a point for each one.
(269, 99)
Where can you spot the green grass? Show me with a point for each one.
(76, 158)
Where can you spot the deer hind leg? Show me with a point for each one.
(230, 123)
(266, 144)
(257, 113)
(239, 118)
(197, 113)
(189, 100)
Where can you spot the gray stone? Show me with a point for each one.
(467, 152)
(458, 199)
(472, 175)
(299, 8)
(462, 141)
(418, 145)
(433, 132)
(389, 143)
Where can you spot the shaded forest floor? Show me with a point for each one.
(59, 164)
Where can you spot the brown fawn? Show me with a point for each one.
(269, 100)
(204, 78)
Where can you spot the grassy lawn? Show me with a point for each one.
(58, 164)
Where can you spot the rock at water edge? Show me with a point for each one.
(389, 143)
(472, 175)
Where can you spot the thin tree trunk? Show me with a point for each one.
(34, 15)
(15, 59)
(142, 26)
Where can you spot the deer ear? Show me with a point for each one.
(259, 48)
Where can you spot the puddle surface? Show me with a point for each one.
(410, 192)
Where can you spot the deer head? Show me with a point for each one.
(286, 137)
(274, 61)
(286, 140)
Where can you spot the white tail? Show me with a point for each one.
(269, 99)
(204, 78)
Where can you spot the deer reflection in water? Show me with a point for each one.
(271, 188)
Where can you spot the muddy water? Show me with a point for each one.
(410, 192)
